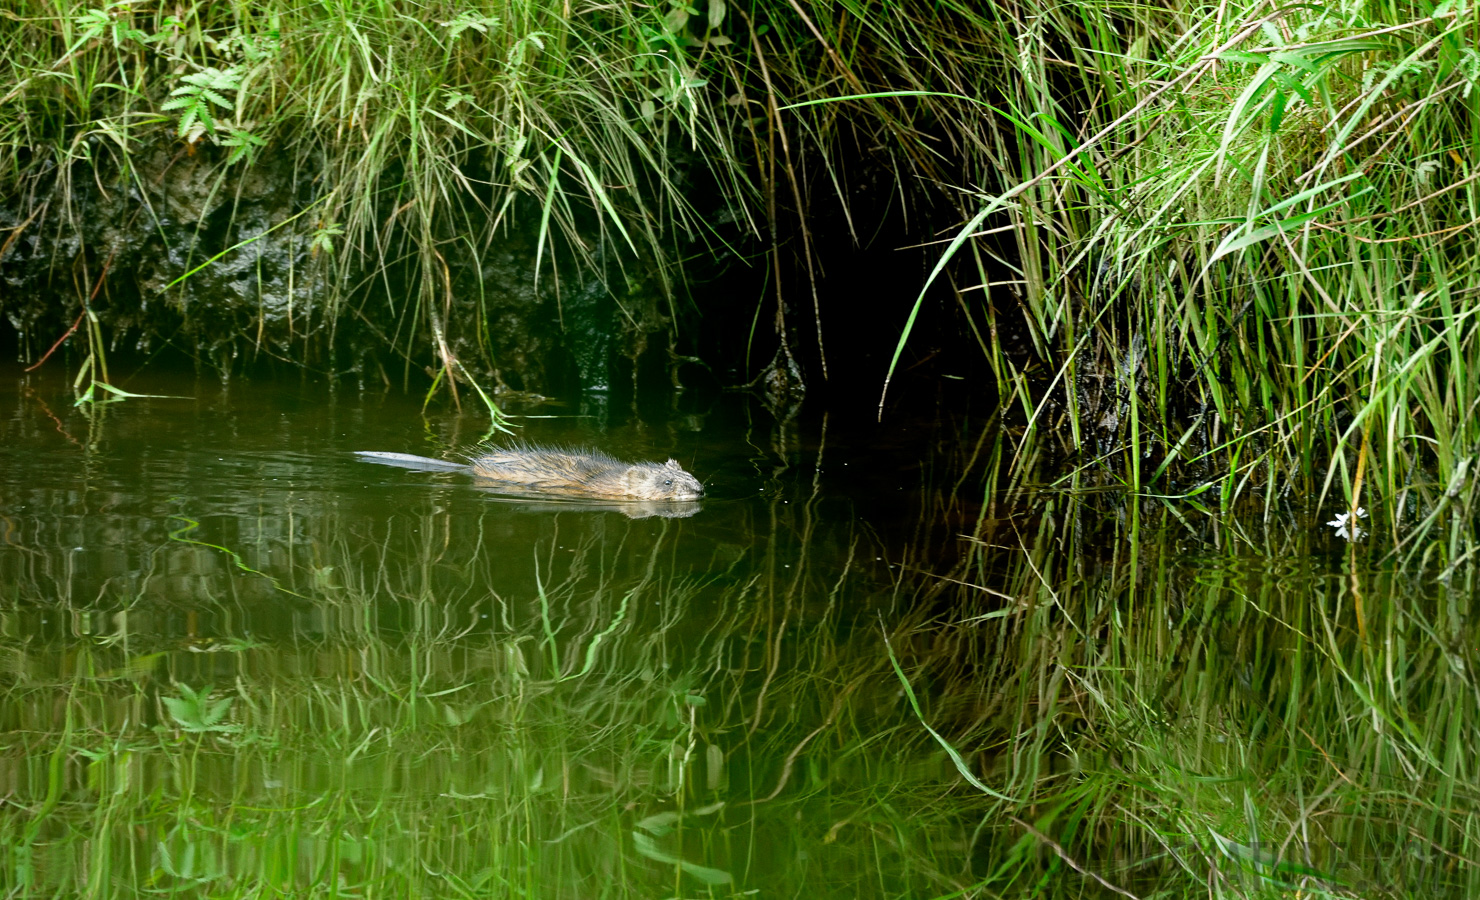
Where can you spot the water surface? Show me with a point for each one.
(238, 659)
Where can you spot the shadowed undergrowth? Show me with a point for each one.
(1226, 256)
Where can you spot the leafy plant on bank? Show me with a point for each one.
(429, 129)
(1224, 258)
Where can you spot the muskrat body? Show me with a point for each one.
(565, 471)
(585, 473)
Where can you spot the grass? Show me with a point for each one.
(1239, 246)
(431, 130)
(1223, 257)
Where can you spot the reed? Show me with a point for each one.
(1242, 253)
(431, 130)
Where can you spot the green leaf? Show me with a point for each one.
(469, 20)
(194, 712)
(956, 243)
(119, 392)
(1234, 242)
(1257, 59)
(659, 824)
(961, 766)
(1237, 120)
(1277, 110)
(646, 846)
(244, 144)
(182, 711)
(216, 711)
(1297, 60)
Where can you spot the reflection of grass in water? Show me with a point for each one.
(1161, 723)
(572, 742)
(1242, 719)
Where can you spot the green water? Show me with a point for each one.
(237, 661)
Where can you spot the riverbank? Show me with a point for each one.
(1226, 258)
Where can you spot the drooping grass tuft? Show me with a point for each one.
(1238, 247)
(430, 131)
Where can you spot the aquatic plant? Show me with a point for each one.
(1348, 525)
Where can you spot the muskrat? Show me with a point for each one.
(565, 471)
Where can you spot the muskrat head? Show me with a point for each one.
(650, 481)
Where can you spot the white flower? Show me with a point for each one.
(1348, 525)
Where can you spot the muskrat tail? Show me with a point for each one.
(410, 461)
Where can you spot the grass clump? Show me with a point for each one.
(1220, 255)
(416, 137)
(1274, 277)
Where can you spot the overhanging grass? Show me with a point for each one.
(1241, 243)
(424, 125)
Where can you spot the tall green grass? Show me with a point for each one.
(430, 130)
(1242, 242)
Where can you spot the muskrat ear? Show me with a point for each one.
(672, 464)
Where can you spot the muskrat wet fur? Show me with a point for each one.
(568, 472)
(585, 473)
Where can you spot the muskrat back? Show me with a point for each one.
(559, 470)
(584, 473)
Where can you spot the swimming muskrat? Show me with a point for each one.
(564, 471)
